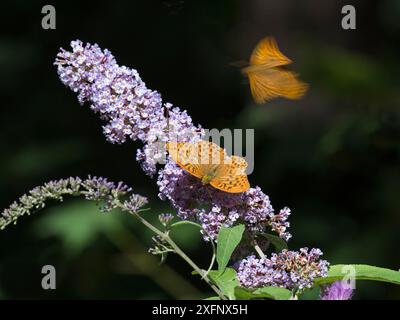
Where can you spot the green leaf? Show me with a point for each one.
(276, 241)
(185, 223)
(275, 293)
(228, 239)
(226, 282)
(243, 293)
(213, 298)
(361, 272)
(310, 294)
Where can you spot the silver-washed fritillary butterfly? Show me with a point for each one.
(267, 76)
(208, 162)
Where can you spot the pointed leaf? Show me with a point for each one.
(243, 293)
(228, 239)
(185, 223)
(226, 282)
(361, 272)
(275, 293)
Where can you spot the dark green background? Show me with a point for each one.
(332, 157)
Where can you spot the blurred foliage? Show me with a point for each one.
(332, 157)
(76, 231)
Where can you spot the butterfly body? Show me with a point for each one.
(262, 67)
(206, 179)
(208, 162)
(267, 76)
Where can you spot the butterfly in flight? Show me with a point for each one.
(210, 163)
(267, 76)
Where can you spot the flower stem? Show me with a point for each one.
(258, 249)
(178, 251)
(255, 245)
(167, 278)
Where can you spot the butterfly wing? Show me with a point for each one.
(209, 153)
(270, 83)
(184, 154)
(231, 177)
(268, 54)
(197, 158)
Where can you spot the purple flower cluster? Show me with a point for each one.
(93, 188)
(122, 100)
(187, 194)
(338, 290)
(131, 110)
(165, 219)
(287, 269)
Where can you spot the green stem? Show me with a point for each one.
(171, 281)
(258, 249)
(178, 251)
(255, 245)
(212, 244)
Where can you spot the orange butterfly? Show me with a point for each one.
(268, 79)
(208, 162)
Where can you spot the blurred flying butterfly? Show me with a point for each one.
(208, 162)
(267, 76)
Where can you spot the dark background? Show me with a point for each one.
(332, 157)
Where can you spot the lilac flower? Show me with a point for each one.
(165, 219)
(213, 220)
(122, 100)
(92, 188)
(98, 188)
(134, 203)
(338, 290)
(131, 110)
(257, 211)
(287, 269)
